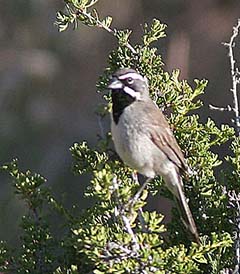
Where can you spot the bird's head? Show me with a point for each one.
(129, 82)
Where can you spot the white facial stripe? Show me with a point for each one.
(115, 85)
(132, 93)
(133, 75)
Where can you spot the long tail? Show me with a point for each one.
(187, 217)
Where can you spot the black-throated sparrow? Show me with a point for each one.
(143, 138)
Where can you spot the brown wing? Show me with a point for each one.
(163, 138)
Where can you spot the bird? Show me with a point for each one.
(143, 138)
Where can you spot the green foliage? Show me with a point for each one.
(155, 32)
(27, 185)
(80, 11)
(234, 162)
(116, 234)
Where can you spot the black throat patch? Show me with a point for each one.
(120, 100)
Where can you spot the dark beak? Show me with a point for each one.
(115, 84)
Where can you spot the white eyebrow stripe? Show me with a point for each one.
(132, 93)
(133, 75)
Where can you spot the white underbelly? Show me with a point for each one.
(134, 148)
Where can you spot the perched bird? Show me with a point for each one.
(143, 139)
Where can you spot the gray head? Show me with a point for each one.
(130, 82)
(127, 87)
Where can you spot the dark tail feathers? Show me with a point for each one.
(187, 217)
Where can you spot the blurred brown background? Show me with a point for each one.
(47, 79)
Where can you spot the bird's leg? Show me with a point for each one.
(139, 192)
(135, 176)
(142, 221)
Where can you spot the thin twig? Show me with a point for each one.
(126, 222)
(99, 24)
(112, 245)
(227, 108)
(120, 212)
(235, 75)
(100, 124)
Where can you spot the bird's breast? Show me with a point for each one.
(133, 144)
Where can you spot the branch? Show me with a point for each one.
(119, 211)
(100, 24)
(126, 222)
(82, 11)
(235, 74)
(227, 108)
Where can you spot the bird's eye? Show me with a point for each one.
(130, 80)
